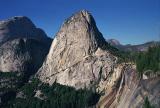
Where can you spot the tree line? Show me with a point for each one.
(54, 96)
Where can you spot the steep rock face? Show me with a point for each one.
(23, 47)
(20, 26)
(22, 55)
(76, 57)
(133, 95)
(130, 91)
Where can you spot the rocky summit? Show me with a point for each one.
(76, 57)
(19, 26)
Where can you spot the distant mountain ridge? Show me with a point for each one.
(129, 47)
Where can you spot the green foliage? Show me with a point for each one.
(7, 74)
(55, 96)
(147, 103)
(10, 81)
(149, 60)
(28, 88)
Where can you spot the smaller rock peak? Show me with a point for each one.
(19, 27)
(17, 20)
(19, 17)
(113, 42)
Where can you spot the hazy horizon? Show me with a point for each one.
(130, 22)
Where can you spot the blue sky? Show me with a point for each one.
(129, 21)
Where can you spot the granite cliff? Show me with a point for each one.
(80, 57)
(77, 57)
(23, 47)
